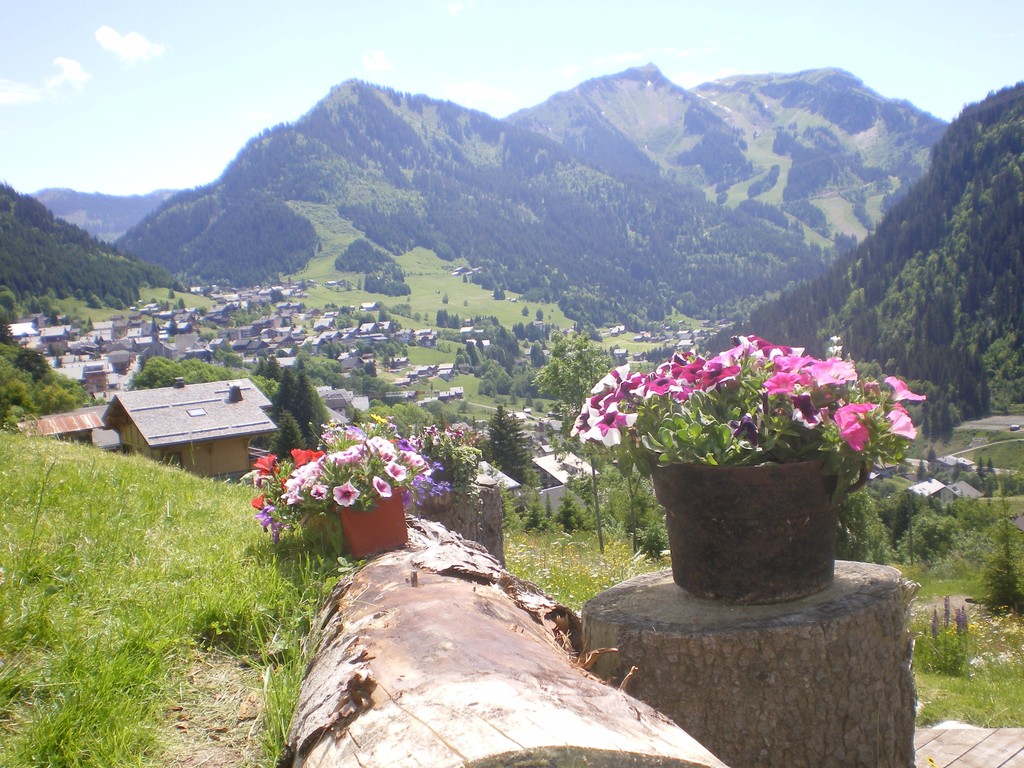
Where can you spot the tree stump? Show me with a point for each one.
(478, 515)
(436, 656)
(821, 681)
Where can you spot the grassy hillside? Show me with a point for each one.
(126, 588)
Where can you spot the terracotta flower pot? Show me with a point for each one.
(749, 535)
(373, 531)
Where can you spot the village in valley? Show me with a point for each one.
(104, 355)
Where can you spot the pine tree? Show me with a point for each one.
(288, 436)
(510, 448)
(1004, 579)
(297, 397)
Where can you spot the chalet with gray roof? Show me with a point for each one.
(205, 428)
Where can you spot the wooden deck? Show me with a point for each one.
(969, 747)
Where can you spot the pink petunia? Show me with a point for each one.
(351, 455)
(832, 371)
(382, 447)
(607, 428)
(901, 423)
(396, 471)
(782, 383)
(612, 381)
(346, 495)
(851, 428)
(381, 486)
(902, 392)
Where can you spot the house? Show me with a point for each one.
(205, 428)
(504, 480)
(957, 462)
(933, 489)
(75, 426)
(963, 490)
(23, 333)
(555, 471)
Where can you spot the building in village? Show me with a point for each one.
(205, 428)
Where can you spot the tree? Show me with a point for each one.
(862, 535)
(297, 397)
(510, 448)
(288, 436)
(1004, 578)
(570, 517)
(575, 366)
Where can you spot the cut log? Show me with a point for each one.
(436, 656)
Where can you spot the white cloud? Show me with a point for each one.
(18, 93)
(377, 61)
(71, 72)
(455, 7)
(130, 48)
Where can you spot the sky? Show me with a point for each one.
(130, 96)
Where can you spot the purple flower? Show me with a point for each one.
(745, 429)
(804, 410)
(269, 522)
(960, 615)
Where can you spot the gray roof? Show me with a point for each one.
(193, 413)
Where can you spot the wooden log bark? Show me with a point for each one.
(436, 656)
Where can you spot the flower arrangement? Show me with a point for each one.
(455, 452)
(755, 403)
(356, 467)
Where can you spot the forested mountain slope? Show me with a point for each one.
(937, 292)
(608, 244)
(41, 254)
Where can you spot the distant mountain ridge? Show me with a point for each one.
(106, 217)
(782, 140)
(937, 292)
(586, 213)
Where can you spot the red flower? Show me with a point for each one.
(259, 502)
(266, 465)
(301, 456)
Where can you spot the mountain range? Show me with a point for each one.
(106, 217)
(619, 200)
(624, 200)
(937, 292)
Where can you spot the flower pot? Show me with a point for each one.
(749, 535)
(376, 530)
